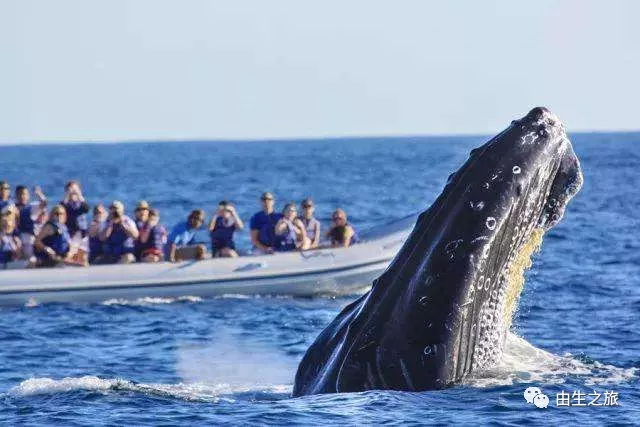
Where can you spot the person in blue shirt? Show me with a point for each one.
(30, 217)
(181, 243)
(263, 225)
(223, 225)
(5, 195)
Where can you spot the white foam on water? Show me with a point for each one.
(151, 300)
(189, 392)
(524, 363)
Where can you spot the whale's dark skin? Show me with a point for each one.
(440, 312)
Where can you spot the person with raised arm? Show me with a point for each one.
(224, 223)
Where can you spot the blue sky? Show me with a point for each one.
(123, 70)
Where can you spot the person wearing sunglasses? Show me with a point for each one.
(263, 223)
(119, 236)
(311, 225)
(290, 231)
(181, 242)
(10, 244)
(141, 220)
(341, 233)
(224, 223)
(53, 243)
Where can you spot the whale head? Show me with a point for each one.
(443, 307)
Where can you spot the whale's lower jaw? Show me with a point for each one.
(497, 312)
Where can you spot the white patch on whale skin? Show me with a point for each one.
(491, 223)
(516, 170)
(477, 206)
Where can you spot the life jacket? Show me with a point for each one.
(25, 222)
(286, 241)
(119, 242)
(96, 246)
(222, 234)
(77, 217)
(60, 240)
(7, 247)
(310, 227)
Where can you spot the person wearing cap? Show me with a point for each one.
(142, 217)
(5, 195)
(153, 238)
(181, 242)
(30, 217)
(311, 225)
(263, 224)
(224, 223)
(290, 231)
(53, 243)
(119, 236)
(341, 233)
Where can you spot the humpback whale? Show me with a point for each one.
(442, 309)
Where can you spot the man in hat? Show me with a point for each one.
(119, 236)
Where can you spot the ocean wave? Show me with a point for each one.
(188, 392)
(151, 300)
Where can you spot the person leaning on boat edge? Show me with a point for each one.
(181, 242)
(263, 224)
(224, 223)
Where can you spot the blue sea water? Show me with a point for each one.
(232, 360)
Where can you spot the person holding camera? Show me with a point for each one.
(223, 225)
(119, 236)
(153, 238)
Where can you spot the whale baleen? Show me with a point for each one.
(443, 307)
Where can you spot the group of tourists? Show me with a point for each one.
(31, 235)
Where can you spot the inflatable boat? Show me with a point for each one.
(336, 271)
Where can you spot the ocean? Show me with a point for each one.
(232, 360)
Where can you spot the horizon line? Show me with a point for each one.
(275, 139)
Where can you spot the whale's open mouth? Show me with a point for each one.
(444, 306)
